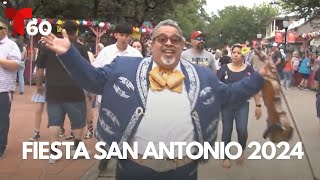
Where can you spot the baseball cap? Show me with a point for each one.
(196, 34)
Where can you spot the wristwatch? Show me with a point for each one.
(258, 105)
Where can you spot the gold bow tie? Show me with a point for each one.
(160, 79)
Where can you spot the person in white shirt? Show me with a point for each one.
(217, 55)
(122, 33)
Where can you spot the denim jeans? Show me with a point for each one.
(76, 112)
(5, 106)
(280, 73)
(21, 77)
(127, 169)
(240, 114)
(287, 78)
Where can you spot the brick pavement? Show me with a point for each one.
(13, 167)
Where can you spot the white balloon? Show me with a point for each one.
(101, 24)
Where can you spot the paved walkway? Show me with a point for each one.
(301, 103)
(13, 167)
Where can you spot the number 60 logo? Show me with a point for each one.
(32, 28)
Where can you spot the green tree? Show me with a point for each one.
(133, 11)
(308, 9)
(190, 16)
(240, 24)
(137, 11)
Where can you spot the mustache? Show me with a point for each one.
(168, 49)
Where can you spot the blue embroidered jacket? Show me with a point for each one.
(124, 87)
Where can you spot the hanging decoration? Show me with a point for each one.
(59, 22)
(145, 29)
(311, 35)
(59, 25)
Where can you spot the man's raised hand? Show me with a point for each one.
(58, 45)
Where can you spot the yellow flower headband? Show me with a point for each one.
(245, 50)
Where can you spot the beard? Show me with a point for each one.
(200, 46)
(167, 61)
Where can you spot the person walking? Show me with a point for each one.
(10, 58)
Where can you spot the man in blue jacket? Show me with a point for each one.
(157, 99)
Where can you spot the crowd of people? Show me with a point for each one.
(129, 81)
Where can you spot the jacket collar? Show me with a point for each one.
(191, 81)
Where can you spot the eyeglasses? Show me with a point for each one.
(200, 39)
(163, 39)
(2, 28)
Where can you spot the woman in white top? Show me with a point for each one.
(295, 66)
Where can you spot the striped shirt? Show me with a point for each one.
(9, 50)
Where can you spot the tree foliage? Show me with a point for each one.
(190, 16)
(137, 11)
(234, 24)
(308, 9)
(238, 24)
(133, 11)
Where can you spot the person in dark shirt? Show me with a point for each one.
(277, 60)
(230, 73)
(225, 59)
(63, 94)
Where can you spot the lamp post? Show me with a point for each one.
(285, 24)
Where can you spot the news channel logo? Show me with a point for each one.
(33, 27)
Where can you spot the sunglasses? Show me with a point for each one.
(163, 39)
(2, 28)
(200, 39)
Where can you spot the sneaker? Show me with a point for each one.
(71, 136)
(62, 132)
(89, 135)
(300, 87)
(2, 154)
(35, 137)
